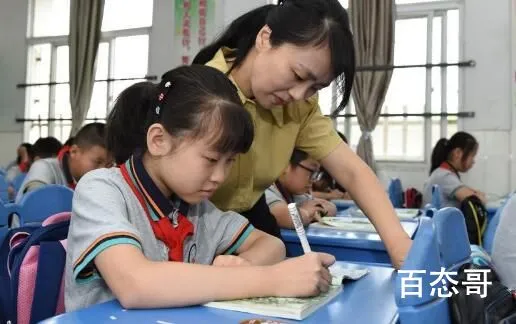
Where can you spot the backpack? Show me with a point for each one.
(498, 307)
(413, 198)
(475, 215)
(32, 262)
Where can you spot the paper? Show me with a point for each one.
(346, 223)
(283, 307)
(340, 273)
(292, 308)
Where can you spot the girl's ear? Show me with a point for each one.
(159, 141)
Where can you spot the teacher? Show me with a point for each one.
(278, 57)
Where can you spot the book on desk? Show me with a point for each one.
(292, 308)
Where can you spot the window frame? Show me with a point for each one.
(427, 10)
(55, 128)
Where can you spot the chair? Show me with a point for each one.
(492, 225)
(5, 212)
(43, 202)
(423, 256)
(4, 186)
(436, 196)
(18, 181)
(452, 237)
(396, 193)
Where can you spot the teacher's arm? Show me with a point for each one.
(363, 185)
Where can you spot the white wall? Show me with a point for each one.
(13, 53)
(488, 91)
(162, 56)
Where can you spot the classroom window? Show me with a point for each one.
(50, 18)
(424, 36)
(125, 29)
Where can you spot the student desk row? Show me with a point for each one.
(350, 246)
(368, 300)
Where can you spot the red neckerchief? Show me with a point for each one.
(447, 166)
(173, 236)
(64, 160)
(24, 166)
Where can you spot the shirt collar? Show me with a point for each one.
(160, 206)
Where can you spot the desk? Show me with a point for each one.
(368, 300)
(345, 245)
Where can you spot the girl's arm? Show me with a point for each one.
(140, 283)
(261, 248)
(362, 184)
(464, 192)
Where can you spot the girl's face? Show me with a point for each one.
(23, 154)
(288, 73)
(191, 169)
(298, 179)
(464, 163)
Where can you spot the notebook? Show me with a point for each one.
(355, 224)
(291, 308)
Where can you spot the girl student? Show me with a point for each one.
(145, 232)
(278, 57)
(450, 157)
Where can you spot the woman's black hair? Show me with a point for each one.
(442, 150)
(190, 102)
(298, 22)
(343, 137)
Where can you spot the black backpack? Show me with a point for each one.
(498, 307)
(475, 214)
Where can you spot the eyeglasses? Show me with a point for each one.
(315, 175)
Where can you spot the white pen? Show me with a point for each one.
(298, 224)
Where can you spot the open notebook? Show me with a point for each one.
(355, 224)
(291, 308)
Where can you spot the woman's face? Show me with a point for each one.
(288, 73)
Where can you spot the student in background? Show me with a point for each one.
(87, 153)
(46, 147)
(449, 159)
(175, 145)
(23, 161)
(326, 187)
(294, 186)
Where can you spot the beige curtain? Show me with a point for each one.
(372, 22)
(85, 24)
